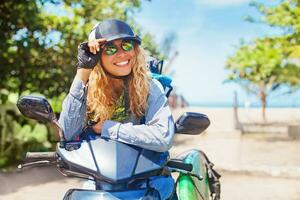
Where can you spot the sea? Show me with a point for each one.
(245, 104)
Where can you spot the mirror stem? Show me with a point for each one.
(60, 133)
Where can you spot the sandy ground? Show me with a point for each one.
(47, 184)
(253, 167)
(222, 119)
(255, 187)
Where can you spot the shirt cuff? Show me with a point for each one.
(77, 89)
(110, 129)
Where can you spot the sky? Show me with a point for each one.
(207, 32)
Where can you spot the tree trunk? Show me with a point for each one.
(237, 123)
(263, 100)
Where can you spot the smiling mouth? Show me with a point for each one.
(121, 64)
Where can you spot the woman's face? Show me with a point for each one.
(121, 62)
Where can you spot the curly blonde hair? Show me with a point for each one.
(105, 91)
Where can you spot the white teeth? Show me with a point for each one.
(122, 63)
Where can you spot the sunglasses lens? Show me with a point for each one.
(110, 49)
(127, 45)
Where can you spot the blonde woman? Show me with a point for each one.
(113, 90)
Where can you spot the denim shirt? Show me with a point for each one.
(156, 134)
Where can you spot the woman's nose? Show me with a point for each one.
(120, 53)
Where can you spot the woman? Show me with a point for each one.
(113, 89)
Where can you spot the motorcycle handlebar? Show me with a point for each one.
(180, 165)
(50, 156)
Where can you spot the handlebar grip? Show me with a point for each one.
(180, 165)
(50, 156)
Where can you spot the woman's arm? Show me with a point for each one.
(157, 132)
(73, 112)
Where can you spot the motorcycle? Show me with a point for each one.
(102, 161)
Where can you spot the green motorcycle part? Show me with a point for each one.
(190, 187)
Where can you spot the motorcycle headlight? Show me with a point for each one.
(77, 194)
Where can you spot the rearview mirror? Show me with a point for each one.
(36, 107)
(192, 123)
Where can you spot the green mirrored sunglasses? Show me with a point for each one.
(110, 48)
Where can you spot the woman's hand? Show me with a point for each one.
(98, 127)
(95, 45)
(88, 57)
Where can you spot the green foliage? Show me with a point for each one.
(19, 135)
(285, 15)
(259, 62)
(257, 67)
(290, 73)
(268, 63)
(148, 44)
(27, 59)
(39, 46)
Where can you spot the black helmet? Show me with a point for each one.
(113, 29)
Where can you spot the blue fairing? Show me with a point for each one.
(113, 161)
